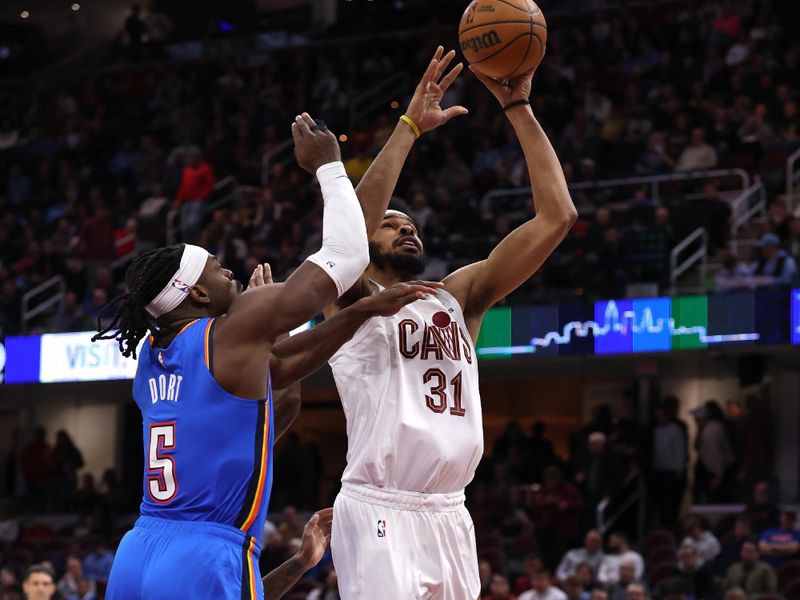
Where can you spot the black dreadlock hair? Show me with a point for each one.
(148, 274)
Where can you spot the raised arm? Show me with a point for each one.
(262, 313)
(480, 285)
(424, 112)
(376, 187)
(302, 354)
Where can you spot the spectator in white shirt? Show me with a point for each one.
(591, 553)
(698, 154)
(698, 536)
(715, 456)
(620, 553)
(542, 588)
(627, 576)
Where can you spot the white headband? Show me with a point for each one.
(193, 261)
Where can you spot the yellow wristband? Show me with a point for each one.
(407, 120)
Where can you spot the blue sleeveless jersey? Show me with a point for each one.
(207, 453)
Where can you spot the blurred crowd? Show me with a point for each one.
(123, 158)
(604, 516)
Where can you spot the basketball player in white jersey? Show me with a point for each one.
(409, 382)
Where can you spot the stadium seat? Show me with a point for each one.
(657, 537)
(662, 571)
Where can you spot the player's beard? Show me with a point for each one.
(402, 263)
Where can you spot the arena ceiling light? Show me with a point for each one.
(24, 14)
(75, 7)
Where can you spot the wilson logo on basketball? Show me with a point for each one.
(479, 42)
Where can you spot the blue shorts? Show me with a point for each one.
(170, 560)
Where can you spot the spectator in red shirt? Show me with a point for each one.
(197, 183)
(97, 236)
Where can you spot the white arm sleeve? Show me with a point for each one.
(344, 255)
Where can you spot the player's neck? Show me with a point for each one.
(386, 277)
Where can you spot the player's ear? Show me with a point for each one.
(199, 293)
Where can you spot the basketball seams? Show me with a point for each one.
(527, 10)
(530, 37)
(471, 27)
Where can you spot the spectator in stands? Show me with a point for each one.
(782, 543)
(70, 582)
(36, 458)
(733, 275)
(598, 472)
(531, 565)
(542, 589)
(587, 575)
(620, 552)
(67, 459)
(715, 456)
(750, 573)
(39, 583)
(627, 576)
(762, 510)
(8, 578)
(637, 591)
(197, 184)
(696, 572)
(591, 553)
(9, 525)
(97, 563)
(97, 236)
(70, 316)
(730, 546)
(698, 154)
(329, 591)
(485, 575)
(540, 452)
(598, 593)
(556, 506)
(670, 456)
(655, 160)
(699, 536)
(500, 589)
(735, 593)
(775, 266)
(574, 590)
(779, 220)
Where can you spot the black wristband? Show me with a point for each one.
(511, 105)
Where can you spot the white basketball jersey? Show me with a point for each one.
(409, 388)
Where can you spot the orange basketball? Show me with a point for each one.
(503, 38)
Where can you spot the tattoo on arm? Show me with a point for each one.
(280, 580)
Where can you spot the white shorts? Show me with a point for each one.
(398, 545)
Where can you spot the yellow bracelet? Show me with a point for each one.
(407, 120)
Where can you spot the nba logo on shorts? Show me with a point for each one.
(381, 528)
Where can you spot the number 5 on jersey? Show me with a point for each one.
(162, 482)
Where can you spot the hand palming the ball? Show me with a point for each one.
(424, 108)
(508, 90)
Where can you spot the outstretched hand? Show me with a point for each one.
(316, 537)
(508, 90)
(262, 275)
(389, 301)
(424, 108)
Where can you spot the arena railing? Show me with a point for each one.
(378, 96)
(676, 269)
(792, 177)
(748, 204)
(32, 309)
(654, 182)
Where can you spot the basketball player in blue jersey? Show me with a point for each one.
(203, 385)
